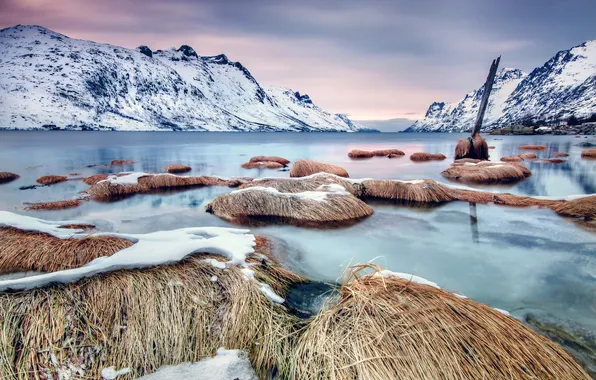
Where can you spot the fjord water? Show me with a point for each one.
(527, 261)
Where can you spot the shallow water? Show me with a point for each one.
(522, 260)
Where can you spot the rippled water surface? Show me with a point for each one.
(527, 261)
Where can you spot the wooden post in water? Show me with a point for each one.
(488, 86)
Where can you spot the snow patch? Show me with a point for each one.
(27, 223)
(410, 277)
(110, 373)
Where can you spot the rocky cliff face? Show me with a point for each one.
(48, 80)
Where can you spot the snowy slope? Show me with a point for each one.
(460, 117)
(48, 80)
(565, 85)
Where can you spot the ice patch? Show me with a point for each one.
(225, 365)
(110, 373)
(269, 293)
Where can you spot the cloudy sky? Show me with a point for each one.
(369, 59)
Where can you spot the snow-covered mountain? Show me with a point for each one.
(48, 80)
(562, 87)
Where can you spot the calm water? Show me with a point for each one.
(522, 260)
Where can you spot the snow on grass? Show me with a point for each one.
(128, 179)
(318, 195)
(269, 293)
(110, 373)
(225, 365)
(502, 311)
(410, 277)
(27, 223)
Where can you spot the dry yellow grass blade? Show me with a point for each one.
(390, 328)
(303, 168)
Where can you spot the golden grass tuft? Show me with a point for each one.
(121, 162)
(301, 184)
(303, 168)
(532, 147)
(560, 154)
(527, 156)
(357, 153)
(177, 168)
(511, 159)
(422, 156)
(106, 191)
(22, 251)
(387, 152)
(143, 319)
(487, 172)
(462, 161)
(93, 179)
(589, 153)
(418, 191)
(584, 208)
(51, 179)
(472, 147)
(389, 328)
(6, 177)
(262, 165)
(253, 203)
(553, 160)
(56, 205)
(279, 160)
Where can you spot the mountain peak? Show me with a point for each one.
(27, 30)
(188, 51)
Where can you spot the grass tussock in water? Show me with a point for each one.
(422, 156)
(56, 205)
(553, 160)
(279, 160)
(303, 168)
(417, 191)
(589, 153)
(487, 172)
(293, 207)
(560, 154)
(121, 162)
(106, 191)
(262, 165)
(472, 147)
(387, 328)
(6, 177)
(143, 319)
(511, 159)
(532, 147)
(51, 179)
(177, 168)
(357, 153)
(301, 184)
(22, 251)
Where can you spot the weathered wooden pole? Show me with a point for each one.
(488, 86)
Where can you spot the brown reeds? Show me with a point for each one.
(527, 156)
(472, 147)
(106, 191)
(462, 161)
(121, 162)
(279, 160)
(387, 152)
(391, 328)
(491, 147)
(589, 153)
(487, 172)
(51, 179)
(357, 153)
(511, 159)
(553, 160)
(245, 204)
(144, 319)
(532, 147)
(303, 168)
(177, 168)
(417, 191)
(6, 177)
(560, 154)
(262, 165)
(22, 251)
(422, 156)
(56, 205)
(93, 179)
(395, 155)
(583, 208)
(301, 184)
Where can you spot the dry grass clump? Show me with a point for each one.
(106, 191)
(93, 179)
(394, 155)
(505, 199)
(417, 191)
(589, 153)
(303, 168)
(357, 153)
(22, 251)
(143, 319)
(472, 147)
(51, 179)
(533, 147)
(553, 160)
(487, 172)
(262, 165)
(560, 154)
(121, 162)
(584, 208)
(294, 208)
(279, 160)
(6, 177)
(527, 156)
(462, 161)
(57, 205)
(301, 184)
(511, 159)
(422, 156)
(177, 168)
(390, 328)
(387, 152)
(491, 147)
